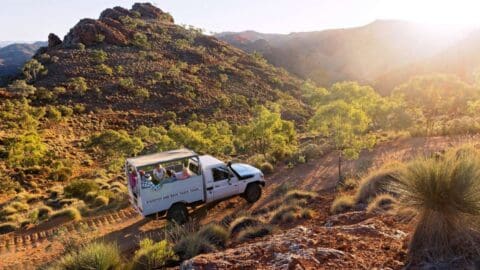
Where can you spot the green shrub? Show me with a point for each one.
(342, 204)
(142, 93)
(21, 88)
(243, 222)
(445, 193)
(104, 69)
(78, 85)
(254, 232)
(69, 213)
(215, 234)
(8, 227)
(27, 150)
(377, 182)
(116, 143)
(80, 46)
(65, 110)
(79, 108)
(32, 69)
(126, 83)
(61, 173)
(152, 255)
(99, 56)
(53, 114)
(140, 40)
(381, 203)
(80, 188)
(101, 256)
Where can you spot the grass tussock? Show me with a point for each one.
(69, 213)
(381, 204)
(254, 232)
(240, 223)
(377, 182)
(342, 204)
(215, 234)
(285, 214)
(152, 255)
(100, 256)
(8, 227)
(299, 195)
(445, 191)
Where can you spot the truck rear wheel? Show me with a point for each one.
(178, 213)
(253, 193)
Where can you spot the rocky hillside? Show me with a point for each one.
(13, 56)
(347, 54)
(140, 61)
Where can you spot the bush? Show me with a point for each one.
(242, 223)
(140, 40)
(215, 234)
(66, 111)
(104, 69)
(381, 204)
(27, 150)
(61, 173)
(21, 88)
(116, 143)
(142, 93)
(266, 168)
(69, 213)
(99, 56)
(152, 255)
(80, 188)
(377, 182)
(100, 256)
(8, 227)
(126, 83)
(445, 193)
(254, 232)
(44, 212)
(78, 85)
(53, 114)
(342, 204)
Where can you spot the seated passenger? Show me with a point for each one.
(132, 177)
(185, 174)
(159, 173)
(171, 174)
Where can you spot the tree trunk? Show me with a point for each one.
(340, 167)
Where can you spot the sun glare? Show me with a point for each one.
(454, 13)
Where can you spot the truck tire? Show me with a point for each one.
(252, 192)
(178, 213)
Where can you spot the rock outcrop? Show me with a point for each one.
(110, 25)
(53, 40)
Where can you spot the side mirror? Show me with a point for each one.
(229, 164)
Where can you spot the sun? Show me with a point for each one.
(454, 13)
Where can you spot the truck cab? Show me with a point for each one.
(169, 182)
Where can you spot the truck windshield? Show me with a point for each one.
(244, 170)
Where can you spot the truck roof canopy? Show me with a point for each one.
(207, 161)
(161, 157)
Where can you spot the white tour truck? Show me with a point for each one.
(169, 182)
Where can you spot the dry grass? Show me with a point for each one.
(300, 194)
(242, 223)
(69, 213)
(342, 203)
(254, 232)
(381, 204)
(92, 256)
(377, 182)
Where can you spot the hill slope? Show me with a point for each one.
(361, 53)
(13, 56)
(139, 60)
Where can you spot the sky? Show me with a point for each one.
(31, 20)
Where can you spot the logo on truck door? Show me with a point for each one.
(173, 195)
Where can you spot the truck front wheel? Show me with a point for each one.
(252, 193)
(178, 213)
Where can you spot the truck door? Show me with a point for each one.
(225, 183)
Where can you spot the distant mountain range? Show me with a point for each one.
(13, 56)
(382, 53)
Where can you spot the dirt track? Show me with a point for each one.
(24, 252)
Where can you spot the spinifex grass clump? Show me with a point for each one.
(446, 193)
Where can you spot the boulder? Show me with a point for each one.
(114, 13)
(53, 40)
(149, 11)
(87, 30)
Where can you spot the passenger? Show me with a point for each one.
(133, 179)
(159, 173)
(171, 174)
(185, 174)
